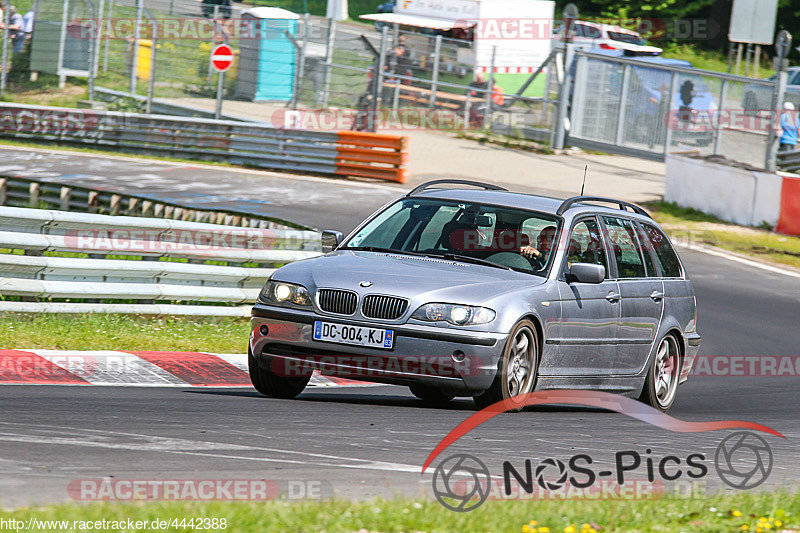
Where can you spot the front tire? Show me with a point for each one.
(270, 384)
(661, 384)
(517, 369)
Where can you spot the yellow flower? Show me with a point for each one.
(526, 529)
(533, 523)
(745, 527)
(569, 529)
(544, 529)
(778, 523)
(736, 513)
(762, 519)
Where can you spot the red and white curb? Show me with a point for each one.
(134, 368)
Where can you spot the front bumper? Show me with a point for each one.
(421, 354)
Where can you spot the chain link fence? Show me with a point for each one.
(650, 109)
(309, 72)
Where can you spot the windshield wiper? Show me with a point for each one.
(473, 260)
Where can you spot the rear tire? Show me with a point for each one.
(270, 384)
(517, 369)
(661, 385)
(431, 395)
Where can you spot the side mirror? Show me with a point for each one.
(586, 273)
(330, 240)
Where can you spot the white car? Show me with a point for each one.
(607, 37)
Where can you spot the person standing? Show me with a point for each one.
(27, 25)
(15, 29)
(789, 127)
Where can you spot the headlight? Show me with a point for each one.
(285, 293)
(458, 315)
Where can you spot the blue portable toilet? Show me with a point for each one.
(266, 55)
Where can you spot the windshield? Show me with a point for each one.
(490, 235)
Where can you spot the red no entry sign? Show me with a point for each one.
(222, 57)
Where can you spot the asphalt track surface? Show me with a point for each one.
(362, 442)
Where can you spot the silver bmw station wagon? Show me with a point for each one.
(462, 288)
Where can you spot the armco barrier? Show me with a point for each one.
(242, 143)
(178, 262)
(372, 155)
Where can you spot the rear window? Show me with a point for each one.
(670, 264)
(626, 37)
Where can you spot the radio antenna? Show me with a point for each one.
(584, 178)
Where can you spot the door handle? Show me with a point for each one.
(613, 297)
(657, 296)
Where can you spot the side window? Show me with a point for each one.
(670, 264)
(625, 246)
(647, 252)
(592, 32)
(586, 244)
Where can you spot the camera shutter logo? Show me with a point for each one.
(449, 476)
(554, 483)
(743, 460)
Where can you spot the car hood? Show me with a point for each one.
(415, 278)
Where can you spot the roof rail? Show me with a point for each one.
(427, 185)
(569, 202)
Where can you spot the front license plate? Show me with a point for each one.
(355, 335)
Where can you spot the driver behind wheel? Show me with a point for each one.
(544, 243)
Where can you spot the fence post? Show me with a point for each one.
(98, 37)
(487, 115)
(376, 97)
(623, 97)
(3, 75)
(301, 67)
(723, 94)
(296, 78)
(437, 49)
(560, 133)
(137, 33)
(108, 35)
(673, 86)
(151, 83)
(92, 57)
(326, 86)
(213, 43)
(774, 114)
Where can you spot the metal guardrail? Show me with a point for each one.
(236, 142)
(789, 161)
(141, 260)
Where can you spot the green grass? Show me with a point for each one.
(707, 59)
(702, 228)
(716, 514)
(123, 332)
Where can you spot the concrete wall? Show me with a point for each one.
(744, 197)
